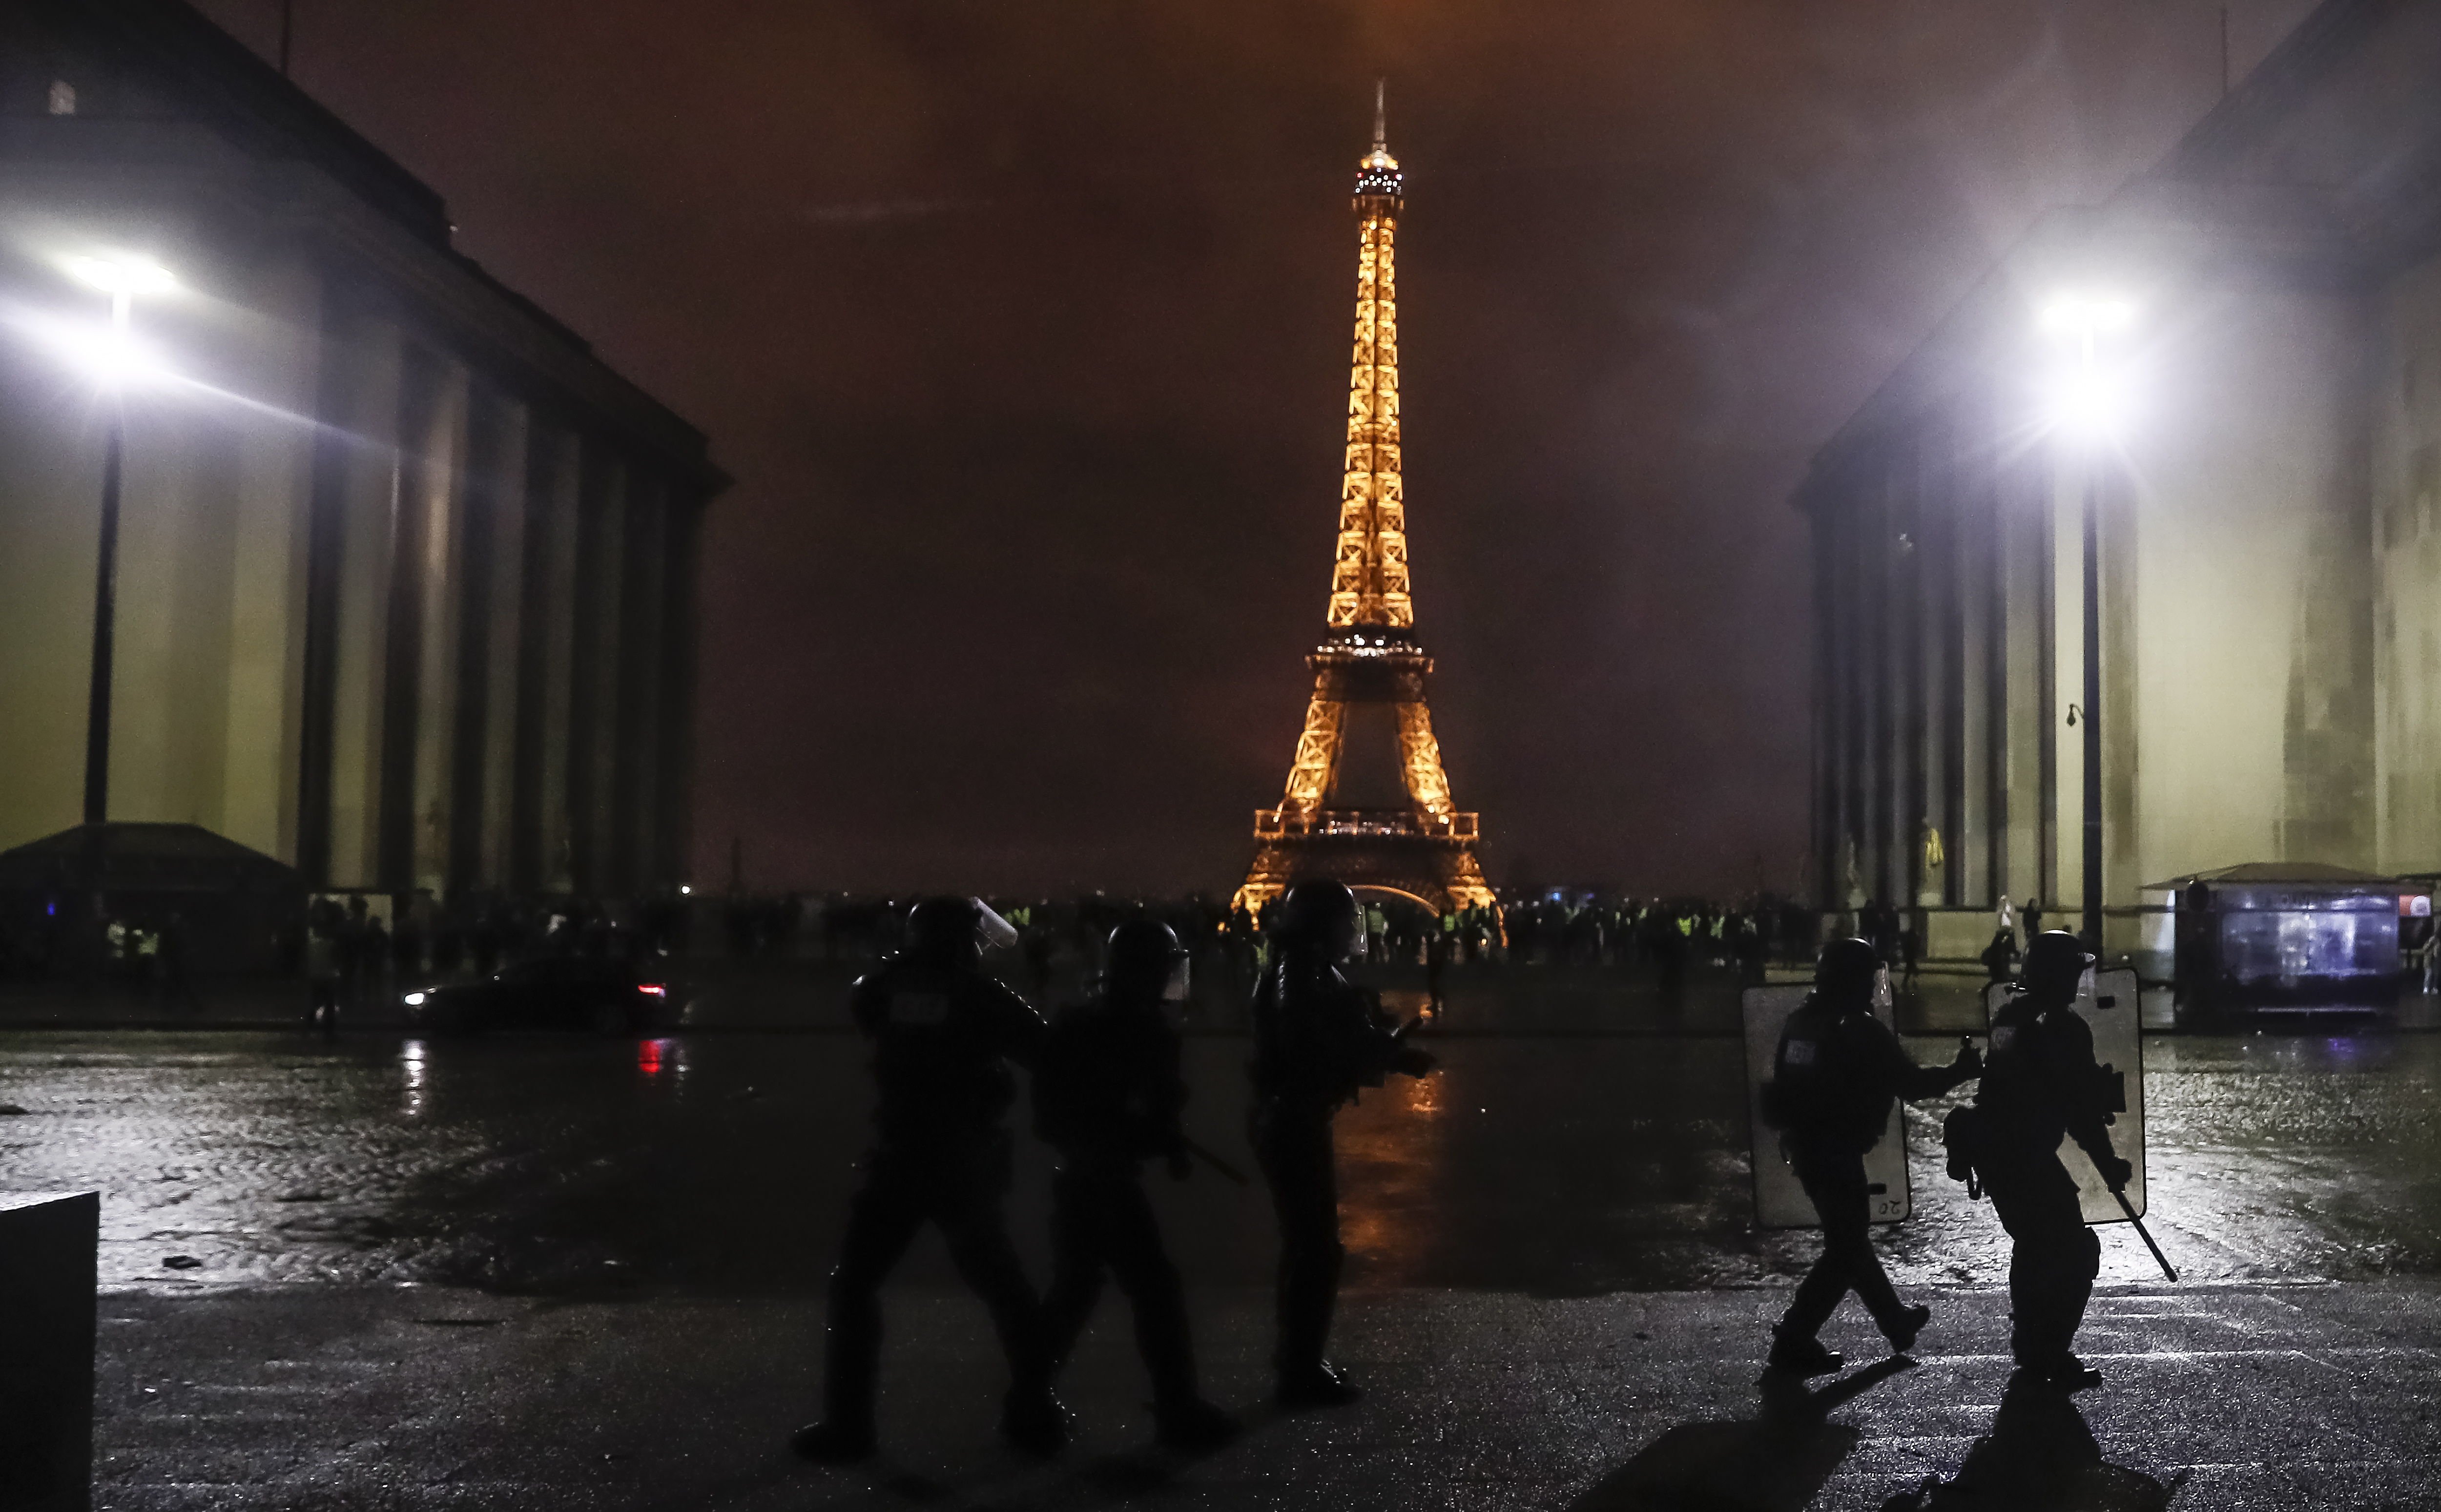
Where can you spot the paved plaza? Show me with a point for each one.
(2268, 1397)
(561, 1270)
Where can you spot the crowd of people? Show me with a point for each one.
(1579, 928)
(353, 950)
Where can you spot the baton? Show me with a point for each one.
(2159, 1258)
(1240, 1177)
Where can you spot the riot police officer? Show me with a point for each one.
(944, 1034)
(2043, 1084)
(1318, 1038)
(1108, 1092)
(1834, 1076)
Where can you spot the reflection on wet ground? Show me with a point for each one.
(721, 1161)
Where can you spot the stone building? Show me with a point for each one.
(2271, 535)
(404, 588)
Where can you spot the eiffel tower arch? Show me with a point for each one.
(1425, 848)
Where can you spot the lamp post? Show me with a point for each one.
(122, 278)
(2087, 404)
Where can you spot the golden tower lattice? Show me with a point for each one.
(1369, 654)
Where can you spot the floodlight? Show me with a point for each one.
(121, 277)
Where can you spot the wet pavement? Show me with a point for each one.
(560, 1270)
(720, 1162)
(2230, 1399)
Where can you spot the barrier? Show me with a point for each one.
(48, 1242)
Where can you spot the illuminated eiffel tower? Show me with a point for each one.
(1423, 849)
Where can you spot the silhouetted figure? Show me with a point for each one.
(1107, 1093)
(1318, 1038)
(2039, 1457)
(2000, 956)
(1833, 1077)
(322, 1005)
(2043, 1084)
(944, 1034)
(373, 942)
(1881, 928)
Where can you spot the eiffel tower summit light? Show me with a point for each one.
(1424, 850)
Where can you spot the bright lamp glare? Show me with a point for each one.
(2087, 404)
(121, 275)
(111, 353)
(2086, 314)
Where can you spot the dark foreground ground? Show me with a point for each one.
(564, 1271)
(2262, 1399)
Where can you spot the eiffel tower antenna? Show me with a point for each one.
(1369, 654)
(1382, 115)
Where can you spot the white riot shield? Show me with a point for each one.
(1780, 1201)
(2106, 1001)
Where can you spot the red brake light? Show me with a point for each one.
(653, 989)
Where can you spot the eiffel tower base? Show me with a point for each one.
(1441, 874)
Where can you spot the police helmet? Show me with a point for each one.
(1848, 971)
(1318, 915)
(942, 933)
(1143, 953)
(2054, 962)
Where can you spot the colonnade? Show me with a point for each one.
(498, 640)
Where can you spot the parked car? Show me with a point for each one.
(558, 992)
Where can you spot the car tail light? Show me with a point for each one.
(653, 989)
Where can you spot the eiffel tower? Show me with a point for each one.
(1424, 850)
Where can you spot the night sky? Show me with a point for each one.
(1024, 329)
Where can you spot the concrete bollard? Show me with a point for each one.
(47, 1246)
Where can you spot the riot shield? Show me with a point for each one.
(2106, 1001)
(1779, 1200)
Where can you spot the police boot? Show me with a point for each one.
(1194, 1426)
(1801, 1353)
(1315, 1383)
(850, 1364)
(1033, 1422)
(1904, 1325)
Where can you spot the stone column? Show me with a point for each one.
(594, 668)
(541, 843)
(2025, 566)
(437, 473)
(674, 796)
(418, 521)
(490, 643)
(1829, 724)
(1974, 849)
(2066, 893)
(50, 515)
(1882, 879)
(356, 492)
(280, 366)
(640, 676)
(177, 550)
